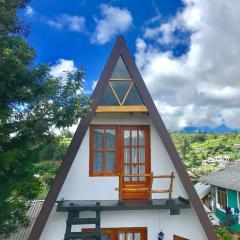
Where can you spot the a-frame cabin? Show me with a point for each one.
(122, 178)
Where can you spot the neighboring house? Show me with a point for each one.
(219, 160)
(122, 177)
(222, 158)
(204, 192)
(225, 194)
(236, 145)
(34, 208)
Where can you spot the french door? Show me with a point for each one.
(122, 233)
(135, 160)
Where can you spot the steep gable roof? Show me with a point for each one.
(120, 49)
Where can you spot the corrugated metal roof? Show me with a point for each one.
(228, 177)
(33, 211)
(202, 189)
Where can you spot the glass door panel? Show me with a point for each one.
(131, 235)
(135, 157)
(134, 154)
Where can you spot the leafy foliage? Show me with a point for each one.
(223, 234)
(32, 102)
(194, 148)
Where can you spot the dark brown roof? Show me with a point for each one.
(120, 49)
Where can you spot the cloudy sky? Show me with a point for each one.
(187, 51)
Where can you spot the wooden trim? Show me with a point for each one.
(120, 49)
(114, 93)
(127, 93)
(120, 79)
(175, 237)
(135, 108)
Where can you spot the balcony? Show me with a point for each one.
(173, 204)
(142, 190)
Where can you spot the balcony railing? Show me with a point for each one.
(134, 189)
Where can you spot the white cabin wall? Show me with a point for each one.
(186, 224)
(55, 227)
(79, 186)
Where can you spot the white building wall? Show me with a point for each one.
(185, 224)
(79, 186)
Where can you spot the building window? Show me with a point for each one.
(222, 197)
(103, 150)
(119, 149)
(121, 89)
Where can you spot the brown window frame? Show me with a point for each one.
(222, 198)
(114, 232)
(118, 148)
(104, 150)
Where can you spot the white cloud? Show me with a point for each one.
(61, 68)
(94, 84)
(69, 22)
(202, 86)
(29, 11)
(114, 21)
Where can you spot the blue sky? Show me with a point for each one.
(53, 43)
(187, 50)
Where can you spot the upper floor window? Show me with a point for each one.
(222, 197)
(119, 149)
(102, 150)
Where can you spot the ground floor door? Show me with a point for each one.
(135, 161)
(122, 233)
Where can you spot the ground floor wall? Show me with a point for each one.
(233, 221)
(186, 224)
(234, 226)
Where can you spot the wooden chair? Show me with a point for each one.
(147, 189)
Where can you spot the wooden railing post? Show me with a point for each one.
(171, 186)
(120, 187)
(150, 187)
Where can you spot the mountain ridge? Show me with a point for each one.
(223, 128)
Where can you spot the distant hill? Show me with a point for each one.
(206, 129)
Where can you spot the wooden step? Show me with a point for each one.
(131, 189)
(82, 235)
(79, 221)
(160, 191)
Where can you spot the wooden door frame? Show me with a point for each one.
(114, 232)
(146, 129)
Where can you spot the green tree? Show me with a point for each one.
(184, 148)
(32, 102)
